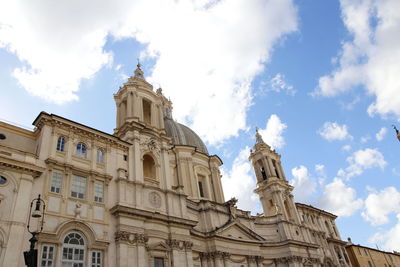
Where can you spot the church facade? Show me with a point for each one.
(149, 195)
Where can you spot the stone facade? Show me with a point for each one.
(149, 195)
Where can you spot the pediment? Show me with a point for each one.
(160, 246)
(237, 230)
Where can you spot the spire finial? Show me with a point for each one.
(258, 137)
(138, 72)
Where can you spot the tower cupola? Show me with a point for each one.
(272, 187)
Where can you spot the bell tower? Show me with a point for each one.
(272, 187)
(138, 107)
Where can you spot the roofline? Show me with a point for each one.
(43, 113)
(16, 128)
(316, 209)
(196, 150)
(361, 246)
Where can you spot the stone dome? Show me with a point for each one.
(183, 135)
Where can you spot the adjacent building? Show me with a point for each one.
(149, 195)
(361, 256)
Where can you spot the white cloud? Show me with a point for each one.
(361, 160)
(273, 132)
(240, 182)
(379, 205)
(278, 84)
(321, 173)
(371, 57)
(202, 58)
(304, 185)
(334, 131)
(339, 199)
(365, 139)
(381, 134)
(346, 147)
(389, 239)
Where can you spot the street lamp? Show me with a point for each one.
(38, 219)
(397, 132)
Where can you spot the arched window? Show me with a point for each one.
(149, 167)
(73, 252)
(262, 169)
(100, 156)
(81, 150)
(61, 144)
(3, 180)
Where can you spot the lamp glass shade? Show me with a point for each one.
(36, 214)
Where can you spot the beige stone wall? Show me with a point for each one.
(363, 256)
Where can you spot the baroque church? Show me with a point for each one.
(148, 195)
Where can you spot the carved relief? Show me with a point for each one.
(173, 243)
(155, 199)
(131, 238)
(150, 144)
(188, 245)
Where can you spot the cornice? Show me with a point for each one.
(23, 167)
(77, 128)
(124, 211)
(53, 162)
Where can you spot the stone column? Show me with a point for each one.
(267, 166)
(203, 259)
(272, 169)
(138, 163)
(165, 168)
(215, 177)
(281, 171)
(210, 260)
(70, 147)
(161, 117)
(129, 105)
(192, 179)
(218, 259)
(93, 157)
(293, 209)
(132, 162)
(251, 261)
(188, 251)
(135, 105)
(141, 241)
(16, 242)
(154, 115)
(117, 104)
(53, 143)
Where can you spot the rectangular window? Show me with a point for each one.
(158, 262)
(47, 257)
(100, 156)
(96, 259)
(56, 182)
(201, 189)
(78, 186)
(98, 192)
(202, 185)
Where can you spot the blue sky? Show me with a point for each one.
(319, 78)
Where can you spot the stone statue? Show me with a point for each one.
(258, 137)
(397, 132)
